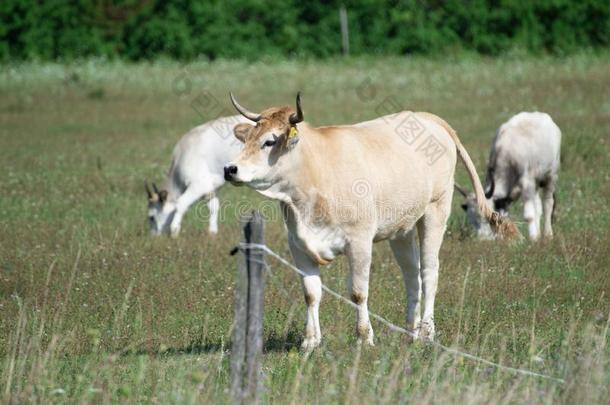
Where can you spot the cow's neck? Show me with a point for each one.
(299, 191)
(173, 186)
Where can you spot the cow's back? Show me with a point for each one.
(205, 149)
(418, 145)
(528, 142)
(394, 165)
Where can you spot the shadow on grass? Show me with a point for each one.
(274, 343)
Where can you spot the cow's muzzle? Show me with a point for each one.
(230, 171)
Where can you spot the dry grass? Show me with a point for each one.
(92, 309)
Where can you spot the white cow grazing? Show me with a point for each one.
(341, 188)
(196, 173)
(524, 159)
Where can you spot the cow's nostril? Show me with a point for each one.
(230, 171)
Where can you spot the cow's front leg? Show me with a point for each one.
(532, 207)
(214, 208)
(359, 258)
(183, 203)
(312, 290)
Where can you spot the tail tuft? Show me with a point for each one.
(504, 227)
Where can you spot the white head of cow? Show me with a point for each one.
(266, 144)
(160, 210)
(482, 227)
(470, 207)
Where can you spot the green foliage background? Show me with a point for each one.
(188, 29)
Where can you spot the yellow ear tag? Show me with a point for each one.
(292, 133)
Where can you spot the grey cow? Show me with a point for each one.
(523, 162)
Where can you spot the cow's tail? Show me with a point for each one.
(502, 226)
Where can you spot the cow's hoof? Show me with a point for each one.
(365, 334)
(412, 335)
(369, 341)
(426, 331)
(310, 343)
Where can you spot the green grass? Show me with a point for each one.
(94, 310)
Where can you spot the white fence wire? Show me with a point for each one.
(395, 328)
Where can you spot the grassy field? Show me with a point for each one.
(94, 310)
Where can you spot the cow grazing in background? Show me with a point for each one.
(196, 173)
(341, 188)
(524, 160)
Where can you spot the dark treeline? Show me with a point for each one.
(187, 29)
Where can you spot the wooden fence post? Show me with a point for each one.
(247, 345)
(344, 29)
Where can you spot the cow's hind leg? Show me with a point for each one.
(312, 290)
(548, 205)
(406, 253)
(532, 206)
(431, 228)
(359, 258)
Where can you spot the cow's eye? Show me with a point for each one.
(269, 143)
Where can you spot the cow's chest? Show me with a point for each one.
(322, 242)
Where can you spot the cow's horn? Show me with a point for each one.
(461, 189)
(297, 117)
(155, 188)
(248, 114)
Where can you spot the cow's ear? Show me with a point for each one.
(163, 196)
(241, 131)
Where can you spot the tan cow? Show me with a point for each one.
(341, 188)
